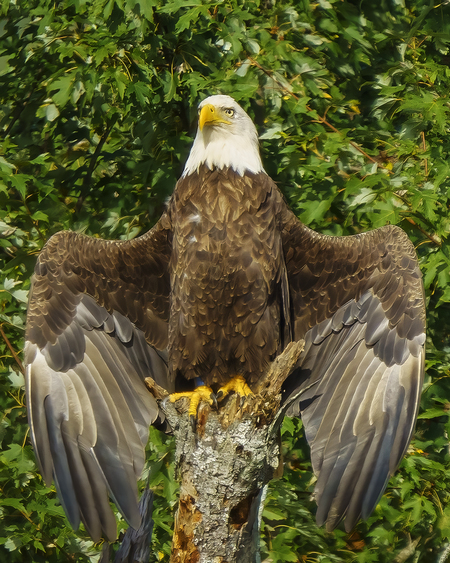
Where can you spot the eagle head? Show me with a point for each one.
(226, 137)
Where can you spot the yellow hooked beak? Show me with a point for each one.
(210, 115)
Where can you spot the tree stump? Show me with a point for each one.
(224, 467)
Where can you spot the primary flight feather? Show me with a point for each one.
(217, 289)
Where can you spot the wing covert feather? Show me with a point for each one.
(130, 277)
(358, 302)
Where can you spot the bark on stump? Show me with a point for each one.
(224, 467)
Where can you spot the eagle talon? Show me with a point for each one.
(202, 393)
(236, 385)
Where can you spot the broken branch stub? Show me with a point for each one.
(224, 467)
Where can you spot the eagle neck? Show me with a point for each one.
(240, 154)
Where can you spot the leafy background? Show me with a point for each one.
(97, 113)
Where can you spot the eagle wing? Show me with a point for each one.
(96, 327)
(358, 302)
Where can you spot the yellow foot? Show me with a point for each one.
(237, 385)
(202, 393)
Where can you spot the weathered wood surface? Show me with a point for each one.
(224, 467)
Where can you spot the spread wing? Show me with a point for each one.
(96, 327)
(359, 303)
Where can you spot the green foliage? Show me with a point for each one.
(97, 108)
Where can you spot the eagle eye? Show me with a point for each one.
(229, 112)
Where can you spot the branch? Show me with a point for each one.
(13, 352)
(433, 238)
(225, 465)
(424, 147)
(93, 162)
(280, 369)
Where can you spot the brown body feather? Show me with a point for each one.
(229, 310)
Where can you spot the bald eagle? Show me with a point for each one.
(217, 289)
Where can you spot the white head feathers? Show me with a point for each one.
(226, 136)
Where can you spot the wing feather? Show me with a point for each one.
(359, 304)
(94, 332)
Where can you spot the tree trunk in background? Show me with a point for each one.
(224, 467)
